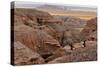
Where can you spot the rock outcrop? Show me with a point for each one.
(90, 28)
(36, 40)
(24, 55)
(41, 38)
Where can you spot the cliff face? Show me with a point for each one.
(30, 16)
(45, 36)
(37, 40)
(31, 30)
(90, 28)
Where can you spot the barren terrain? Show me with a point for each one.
(43, 38)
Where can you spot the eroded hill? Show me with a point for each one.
(50, 38)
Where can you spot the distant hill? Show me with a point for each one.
(66, 7)
(48, 37)
(80, 11)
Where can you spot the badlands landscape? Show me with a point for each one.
(41, 37)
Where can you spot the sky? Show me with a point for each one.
(29, 4)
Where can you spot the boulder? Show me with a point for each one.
(67, 48)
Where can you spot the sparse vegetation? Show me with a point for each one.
(46, 36)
